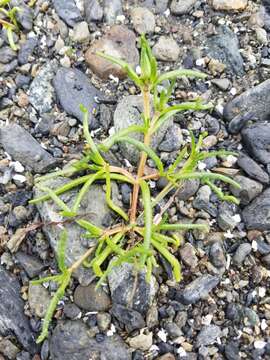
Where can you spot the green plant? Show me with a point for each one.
(9, 22)
(139, 235)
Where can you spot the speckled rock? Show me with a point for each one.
(229, 5)
(166, 49)
(143, 20)
(180, 7)
(68, 11)
(91, 299)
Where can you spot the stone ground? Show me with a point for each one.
(221, 309)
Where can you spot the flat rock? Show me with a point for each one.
(143, 20)
(224, 47)
(67, 11)
(132, 319)
(118, 41)
(257, 214)
(71, 341)
(112, 9)
(26, 50)
(19, 144)
(256, 140)
(208, 335)
(180, 7)
(73, 88)
(31, 265)
(91, 299)
(12, 318)
(249, 189)
(166, 49)
(93, 11)
(229, 5)
(255, 101)
(252, 169)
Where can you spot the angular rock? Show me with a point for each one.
(224, 47)
(25, 16)
(188, 255)
(189, 188)
(6, 54)
(252, 169)
(12, 318)
(26, 50)
(39, 300)
(180, 7)
(122, 280)
(143, 20)
(229, 5)
(132, 319)
(112, 9)
(255, 101)
(257, 214)
(208, 335)
(31, 265)
(19, 144)
(198, 289)
(9, 67)
(128, 112)
(91, 299)
(226, 216)
(173, 139)
(41, 91)
(73, 88)
(249, 189)
(81, 32)
(118, 41)
(166, 49)
(157, 6)
(93, 11)
(217, 255)
(68, 11)
(256, 140)
(71, 341)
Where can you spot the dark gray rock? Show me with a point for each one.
(173, 139)
(132, 319)
(241, 253)
(19, 144)
(71, 341)
(208, 335)
(6, 54)
(232, 351)
(256, 215)
(256, 140)
(255, 100)
(25, 16)
(72, 311)
(239, 121)
(112, 9)
(74, 88)
(122, 280)
(173, 330)
(31, 265)
(226, 220)
(179, 7)
(249, 189)
(93, 11)
(67, 11)
(26, 50)
(41, 91)
(217, 255)
(12, 318)
(91, 299)
(198, 289)
(188, 189)
(252, 169)
(225, 47)
(9, 67)
(22, 80)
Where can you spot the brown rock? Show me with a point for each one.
(119, 42)
(167, 356)
(91, 299)
(229, 4)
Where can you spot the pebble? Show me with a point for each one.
(141, 342)
(256, 214)
(72, 311)
(226, 216)
(39, 300)
(261, 35)
(217, 255)
(8, 349)
(81, 32)
(250, 189)
(208, 335)
(143, 20)
(103, 321)
(91, 299)
(182, 7)
(25, 16)
(189, 188)
(188, 255)
(229, 5)
(112, 9)
(166, 49)
(6, 54)
(132, 319)
(93, 11)
(241, 253)
(68, 11)
(31, 265)
(223, 84)
(252, 169)
(173, 330)
(26, 50)
(173, 139)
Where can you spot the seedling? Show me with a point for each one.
(140, 233)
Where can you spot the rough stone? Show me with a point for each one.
(173, 139)
(112, 9)
(166, 49)
(241, 253)
(93, 11)
(188, 255)
(256, 215)
(180, 7)
(31, 265)
(249, 189)
(217, 255)
(252, 169)
(132, 319)
(189, 188)
(26, 50)
(208, 335)
(226, 216)
(229, 5)
(81, 32)
(119, 42)
(68, 11)
(39, 300)
(142, 341)
(6, 54)
(8, 349)
(91, 299)
(157, 6)
(25, 16)
(143, 20)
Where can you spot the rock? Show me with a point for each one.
(173, 139)
(122, 280)
(224, 47)
(226, 216)
(19, 144)
(261, 35)
(7, 68)
(167, 356)
(71, 341)
(68, 11)
(118, 41)
(73, 88)
(112, 9)
(143, 20)
(93, 11)
(103, 321)
(181, 319)
(256, 140)
(229, 5)
(25, 16)
(202, 198)
(91, 299)
(217, 255)
(252, 169)
(39, 300)
(188, 255)
(249, 189)
(188, 189)
(81, 32)
(256, 215)
(166, 49)
(179, 7)
(7, 54)
(8, 349)
(72, 311)
(26, 50)
(173, 330)
(132, 319)
(241, 253)
(198, 289)
(208, 335)
(128, 112)
(12, 318)
(223, 84)
(94, 205)
(157, 6)
(142, 342)
(41, 90)
(31, 265)
(255, 101)
(232, 351)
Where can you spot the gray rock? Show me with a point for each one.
(208, 335)
(68, 11)
(8, 68)
(188, 255)
(217, 255)
(81, 32)
(225, 219)
(41, 91)
(72, 311)
(166, 49)
(173, 330)
(143, 20)
(180, 7)
(12, 318)
(128, 112)
(91, 299)
(94, 205)
(26, 50)
(93, 11)
(7, 54)
(232, 351)
(39, 300)
(222, 84)
(255, 100)
(19, 144)
(112, 9)
(241, 253)
(31, 265)
(181, 319)
(71, 341)
(256, 215)
(103, 321)
(256, 140)
(252, 169)
(202, 198)
(198, 289)
(25, 16)
(173, 139)
(188, 189)
(225, 47)
(8, 349)
(158, 6)
(122, 281)
(73, 88)
(249, 189)
(132, 319)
